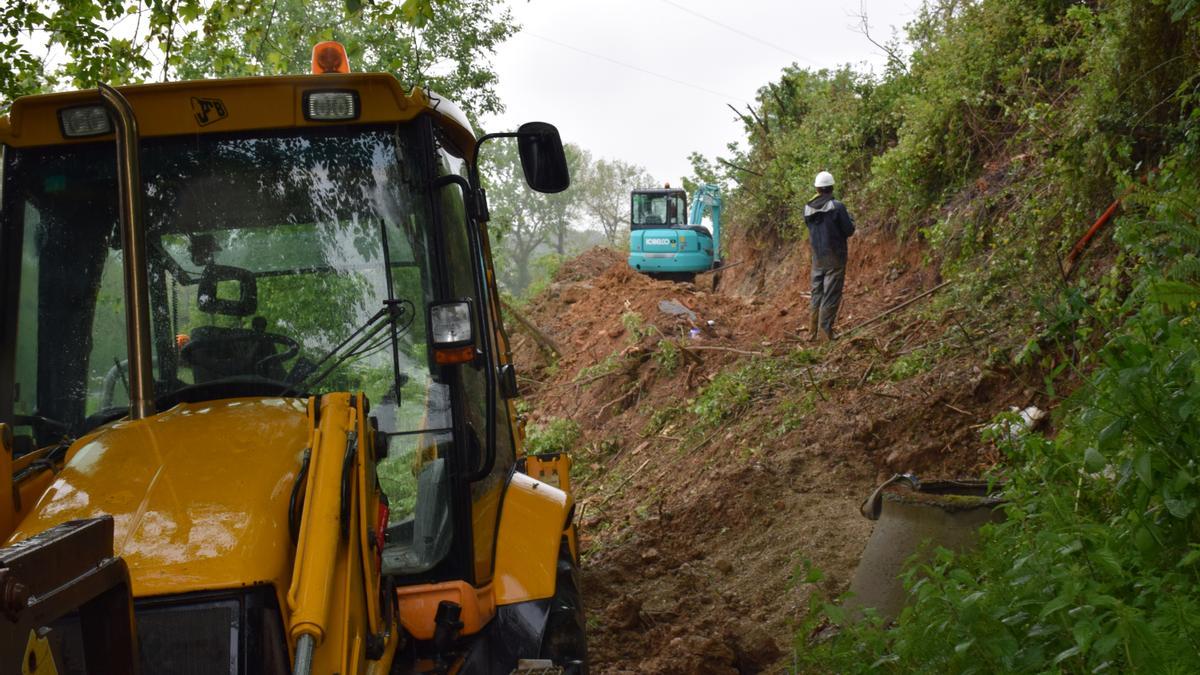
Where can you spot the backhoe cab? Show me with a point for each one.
(254, 322)
(667, 240)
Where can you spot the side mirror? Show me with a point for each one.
(542, 157)
(216, 278)
(451, 332)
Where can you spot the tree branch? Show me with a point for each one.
(865, 28)
(738, 168)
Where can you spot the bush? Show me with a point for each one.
(558, 435)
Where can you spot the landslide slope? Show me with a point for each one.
(718, 461)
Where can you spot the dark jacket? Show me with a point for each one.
(829, 226)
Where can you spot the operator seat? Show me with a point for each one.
(217, 353)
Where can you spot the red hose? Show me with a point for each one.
(1087, 237)
(1077, 249)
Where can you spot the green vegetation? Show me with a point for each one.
(1006, 133)
(558, 435)
(1009, 129)
(731, 392)
(909, 365)
(723, 398)
(661, 419)
(1096, 568)
(610, 364)
(666, 353)
(544, 270)
(792, 412)
(186, 39)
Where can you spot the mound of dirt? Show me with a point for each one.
(694, 530)
(591, 263)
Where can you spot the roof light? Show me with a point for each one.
(89, 120)
(330, 57)
(331, 105)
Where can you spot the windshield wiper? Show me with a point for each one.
(399, 315)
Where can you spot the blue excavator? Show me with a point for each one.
(662, 244)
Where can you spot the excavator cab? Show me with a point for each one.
(255, 324)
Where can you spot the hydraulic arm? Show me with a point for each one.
(708, 196)
(335, 628)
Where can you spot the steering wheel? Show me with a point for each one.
(290, 349)
(212, 352)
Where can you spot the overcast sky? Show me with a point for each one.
(623, 112)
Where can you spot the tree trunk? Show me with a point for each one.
(610, 230)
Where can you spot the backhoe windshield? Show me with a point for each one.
(662, 209)
(279, 263)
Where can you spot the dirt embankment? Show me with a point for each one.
(694, 527)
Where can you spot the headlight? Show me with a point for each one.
(86, 120)
(329, 106)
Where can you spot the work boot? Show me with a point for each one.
(826, 335)
(814, 325)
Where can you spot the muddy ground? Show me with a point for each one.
(692, 532)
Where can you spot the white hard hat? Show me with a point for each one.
(824, 179)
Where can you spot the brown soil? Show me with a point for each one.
(692, 534)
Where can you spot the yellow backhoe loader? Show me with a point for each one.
(255, 392)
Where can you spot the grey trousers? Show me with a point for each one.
(827, 294)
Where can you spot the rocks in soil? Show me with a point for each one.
(625, 613)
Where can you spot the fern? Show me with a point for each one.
(1176, 295)
(1186, 269)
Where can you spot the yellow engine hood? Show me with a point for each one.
(199, 494)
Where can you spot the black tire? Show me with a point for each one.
(565, 639)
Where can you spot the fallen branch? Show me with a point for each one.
(885, 394)
(899, 307)
(866, 374)
(715, 348)
(625, 396)
(908, 332)
(601, 376)
(959, 410)
(622, 484)
(545, 341)
(722, 268)
(966, 333)
(689, 354)
(703, 443)
(813, 382)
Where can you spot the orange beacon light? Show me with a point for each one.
(330, 57)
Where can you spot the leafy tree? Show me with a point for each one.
(604, 190)
(562, 209)
(45, 44)
(526, 220)
(441, 44)
(446, 50)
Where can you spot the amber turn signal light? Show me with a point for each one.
(449, 357)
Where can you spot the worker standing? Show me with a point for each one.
(829, 226)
